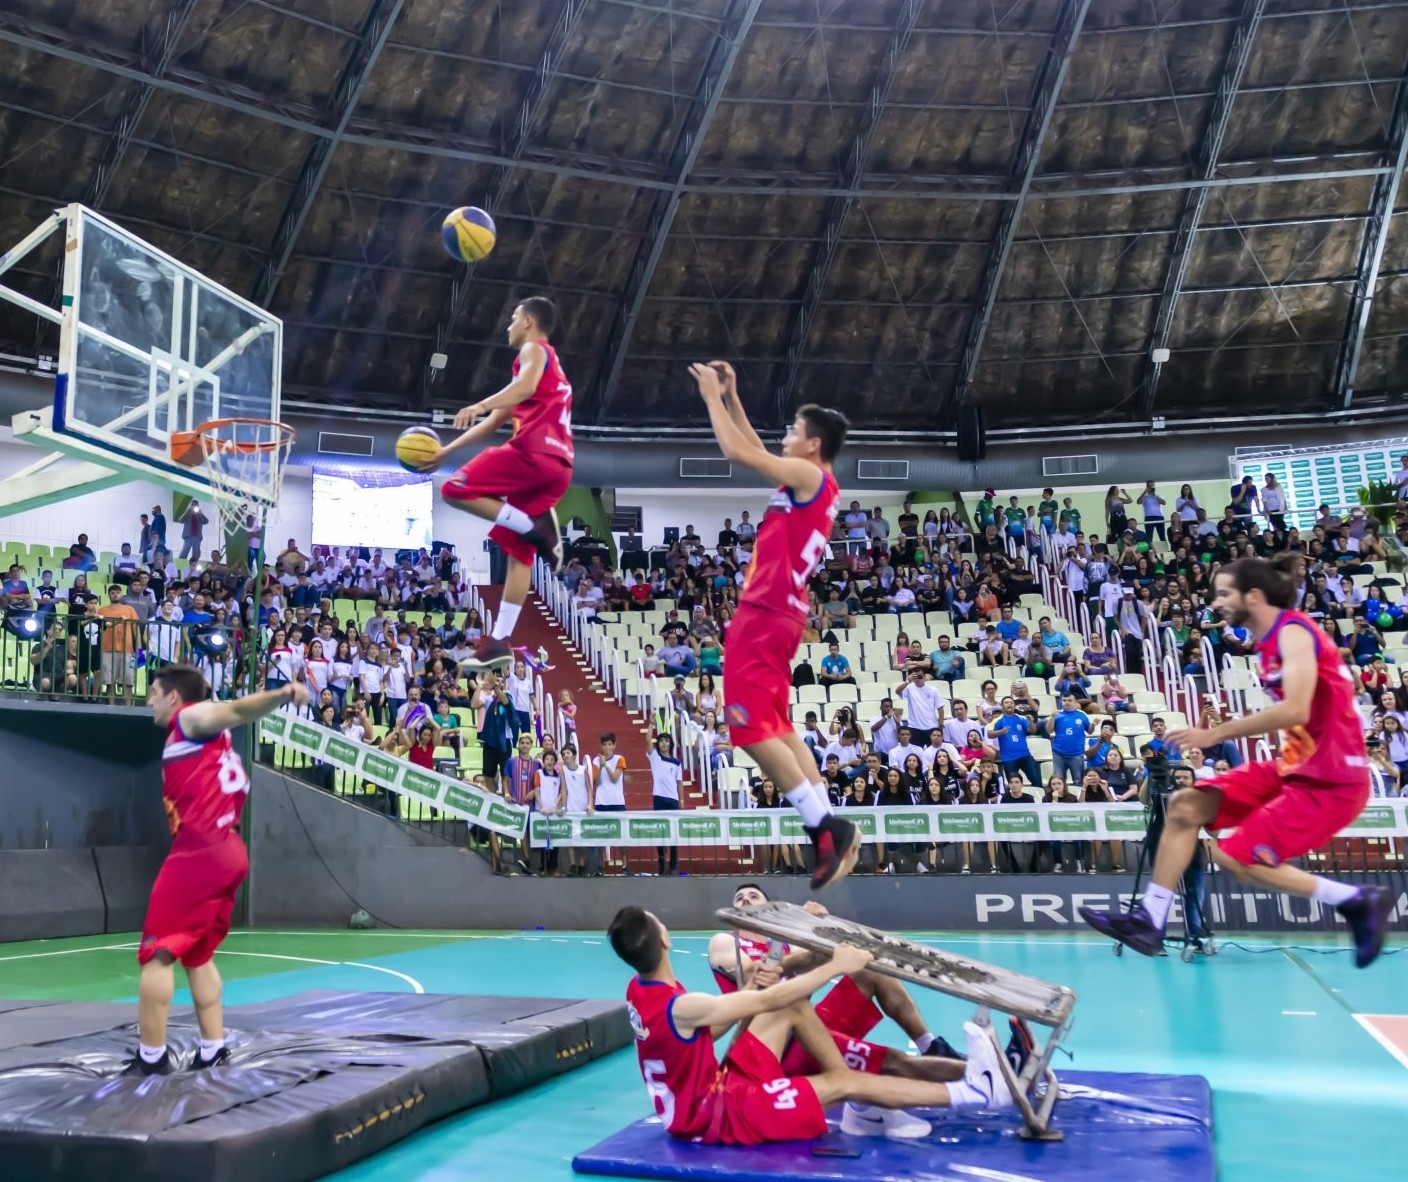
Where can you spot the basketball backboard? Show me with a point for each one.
(148, 348)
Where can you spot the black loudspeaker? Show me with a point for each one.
(972, 435)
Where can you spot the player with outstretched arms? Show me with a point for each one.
(517, 485)
(204, 786)
(749, 1099)
(1280, 809)
(772, 608)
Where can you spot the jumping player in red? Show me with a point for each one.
(517, 485)
(204, 785)
(772, 609)
(749, 1099)
(1281, 810)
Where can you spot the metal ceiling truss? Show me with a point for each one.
(839, 208)
(139, 97)
(1239, 52)
(723, 53)
(1046, 92)
(38, 38)
(371, 40)
(520, 133)
(1371, 249)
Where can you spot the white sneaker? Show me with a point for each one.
(859, 1120)
(984, 1074)
(921, 869)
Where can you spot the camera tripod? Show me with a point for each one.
(1192, 887)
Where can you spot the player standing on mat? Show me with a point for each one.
(1281, 810)
(204, 785)
(749, 1099)
(772, 609)
(518, 484)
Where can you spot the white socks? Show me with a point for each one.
(208, 1050)
(1157, 901)
(507, 617)
(1331, 892)
(150, 1054)
(962, 1094)
(514, 519)
(813, 806)
(924, 1042)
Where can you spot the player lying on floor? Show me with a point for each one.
(749, 1099)
(851, 1009)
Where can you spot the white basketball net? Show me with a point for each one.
(244, 461)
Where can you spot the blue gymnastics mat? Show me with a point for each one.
(1154, 1128)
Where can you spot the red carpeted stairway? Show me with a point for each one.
(598, 712)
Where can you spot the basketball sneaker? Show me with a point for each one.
(139, 1066)
(546, 538)
(491, 653)
(984, 1075)
(862, 1120)
(837, 846)
(219, 1059)
(941, 1048)
(1134, 929)
(1367, 915)
(1021, 1046)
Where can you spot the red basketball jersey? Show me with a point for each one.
(1329, 748)
(543, 422)
(751, 949)
(792, 541)
(681, 1074)
(203, 783)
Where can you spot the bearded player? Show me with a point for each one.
(204, 785)
(749, 1099)
(517, 485)
(1278, 810)
(772, 608)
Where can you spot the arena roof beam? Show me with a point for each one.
(1371, 248)
(1046, 91)
(839, 208)
(1239, 52)
(530, 111)
(693, 130)
(371, 40)
(139, 97)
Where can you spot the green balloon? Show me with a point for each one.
(1205, 557)
(1385, 620)
(1038, 669)
(1142, 548)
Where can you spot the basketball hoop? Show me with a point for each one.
(244, 461)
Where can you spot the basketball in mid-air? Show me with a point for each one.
(468, 234)
(415, 446)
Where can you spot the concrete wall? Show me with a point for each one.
(82, 827)
(317, 859)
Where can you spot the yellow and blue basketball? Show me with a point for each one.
(415, 446)
(469, 234)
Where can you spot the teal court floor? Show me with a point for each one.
(1303, 1087)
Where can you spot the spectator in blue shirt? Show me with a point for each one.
(1007, 627)
(1068, 728)
(835, 669)
(947, 661)
(1011, 731)
(1159, 742)
(1056, 642)
(1366, 643)
(1101, 746)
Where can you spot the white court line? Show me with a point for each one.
(415, 985)
(69, 951)
(1299, 1014)
(1382, 1039)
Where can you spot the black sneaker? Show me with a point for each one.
(1368, 917)
(219, 1059)
(941, 1048)
(491, 653)
(139, 1066)
(546, 538)
(1021, 1046)
(837, 845)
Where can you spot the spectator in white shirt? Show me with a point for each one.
(1273, 504)
(885, 728)
(923, 704)
(956, 728)
(904, 748)
(878, 528)
(1400, 479)
(857, 522)
(1152, 506)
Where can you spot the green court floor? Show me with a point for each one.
(1304, 1090)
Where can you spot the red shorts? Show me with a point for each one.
(760, 1102)
(758, 686)
(531, 481)
(188, 914)
(1279, 816)
(849, 1015)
